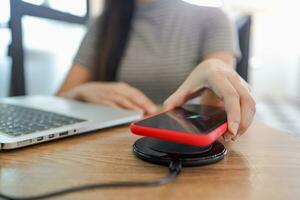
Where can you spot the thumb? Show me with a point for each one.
(177, 99)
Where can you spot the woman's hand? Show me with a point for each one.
(117, 95)
(215, 75)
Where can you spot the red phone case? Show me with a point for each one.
(179, 137)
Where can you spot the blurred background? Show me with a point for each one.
(50, 32)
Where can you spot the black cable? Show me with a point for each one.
(174, 168)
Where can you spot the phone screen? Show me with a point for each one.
(194, 119)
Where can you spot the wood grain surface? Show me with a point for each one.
(263, 164)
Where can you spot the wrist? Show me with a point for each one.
(75, 93)
(215, 63)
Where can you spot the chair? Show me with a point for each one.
(244, 32)
(19, 9)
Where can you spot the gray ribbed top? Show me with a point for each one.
(169, 38)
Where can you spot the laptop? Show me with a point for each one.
(29, 120)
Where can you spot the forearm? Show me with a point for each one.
(77, 76)
(227, 58)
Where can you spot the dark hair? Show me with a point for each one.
(115, 26)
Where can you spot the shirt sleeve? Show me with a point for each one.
(219, 34)
(87, 54)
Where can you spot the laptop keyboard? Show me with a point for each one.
(19, 120)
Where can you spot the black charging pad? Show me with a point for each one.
(163, 152)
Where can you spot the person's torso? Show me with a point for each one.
(164, 47)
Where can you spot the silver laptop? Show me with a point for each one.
(30, 120)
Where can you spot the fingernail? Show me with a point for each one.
(234, 128)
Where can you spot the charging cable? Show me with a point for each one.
(174, 170)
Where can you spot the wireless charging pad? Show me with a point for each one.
(163, 152)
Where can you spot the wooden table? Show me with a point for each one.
(263, 164)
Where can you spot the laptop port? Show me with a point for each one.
(39, 138)
(64, 133)
(51, 136)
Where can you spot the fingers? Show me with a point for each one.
(227, 92)
(118, 95)
(96, 99)
(248, 105)
(176, 99)
(109, 103)
(137, 98)
(122, 101)
(185, 92)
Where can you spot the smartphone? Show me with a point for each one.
(197, 125)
